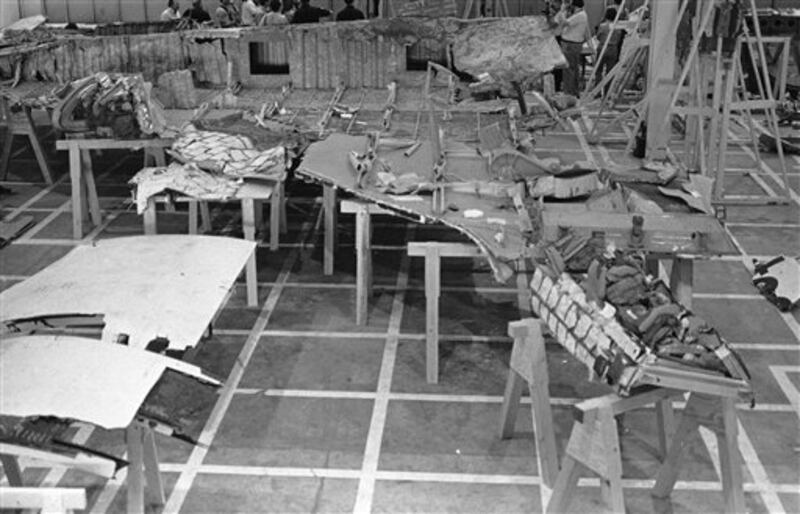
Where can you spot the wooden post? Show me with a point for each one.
(329, 207)
(529, 364)
(432, 293)
(76, 185)
(249, 229)
(193, 217)
(135, 493)
(660, 75)
(91, 188)
(149, 217)
(363, 263)
(275, 206)
(155, 488)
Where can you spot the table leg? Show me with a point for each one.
(249, 228)
(275, 217)
(133, 436)
(149, 218)
(158, 155)
(205, 217)
(329, 207)
(363, 264)
(730, 460)
(284, 221)
(76, 186)
(193, 217)
(432, 292)
(91, 188)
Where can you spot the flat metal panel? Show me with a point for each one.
(26, 7)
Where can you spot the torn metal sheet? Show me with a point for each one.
(80, 379)
(471, 189)
(168, 286)
(696, 192)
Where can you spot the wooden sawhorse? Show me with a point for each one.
(81, 175)
(144, 478)
(594, 441)
(21, 124)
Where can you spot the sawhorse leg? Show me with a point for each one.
(363, 263)
(249, 229)
(38, 151)
(144, 477)
(90, 188)
(718, 413)
(331, 213)
(11, 469)
(529, 364)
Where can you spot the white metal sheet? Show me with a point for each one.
(78, 378)
(144, 286)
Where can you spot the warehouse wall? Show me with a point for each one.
(108, 11)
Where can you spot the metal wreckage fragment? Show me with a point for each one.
(619, 320)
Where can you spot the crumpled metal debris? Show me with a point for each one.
(185, 179)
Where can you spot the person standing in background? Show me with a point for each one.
(607, 32)
(307, 13)
(349, 13)
(274, 15)
(574, 32)
(196, 12)
(171, 12)
(251, 13)
(226, 14)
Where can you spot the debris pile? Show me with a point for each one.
(621, 318)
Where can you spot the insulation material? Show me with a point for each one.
(195, 183)
(145, 286)
(229, 154)
(509, 49)
(79, 378)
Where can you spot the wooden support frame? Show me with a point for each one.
(82, 176)
(529, 365)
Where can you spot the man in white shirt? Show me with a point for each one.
(574, 32)
(251, 13)
(171, 12)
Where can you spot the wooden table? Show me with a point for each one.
(84, 191)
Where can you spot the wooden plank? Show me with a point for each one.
(363, 258)
(420, 249)
(88, 463)
(249, 229)
(111, 144)
(329, 206)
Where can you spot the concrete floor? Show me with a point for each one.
(322, 415)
